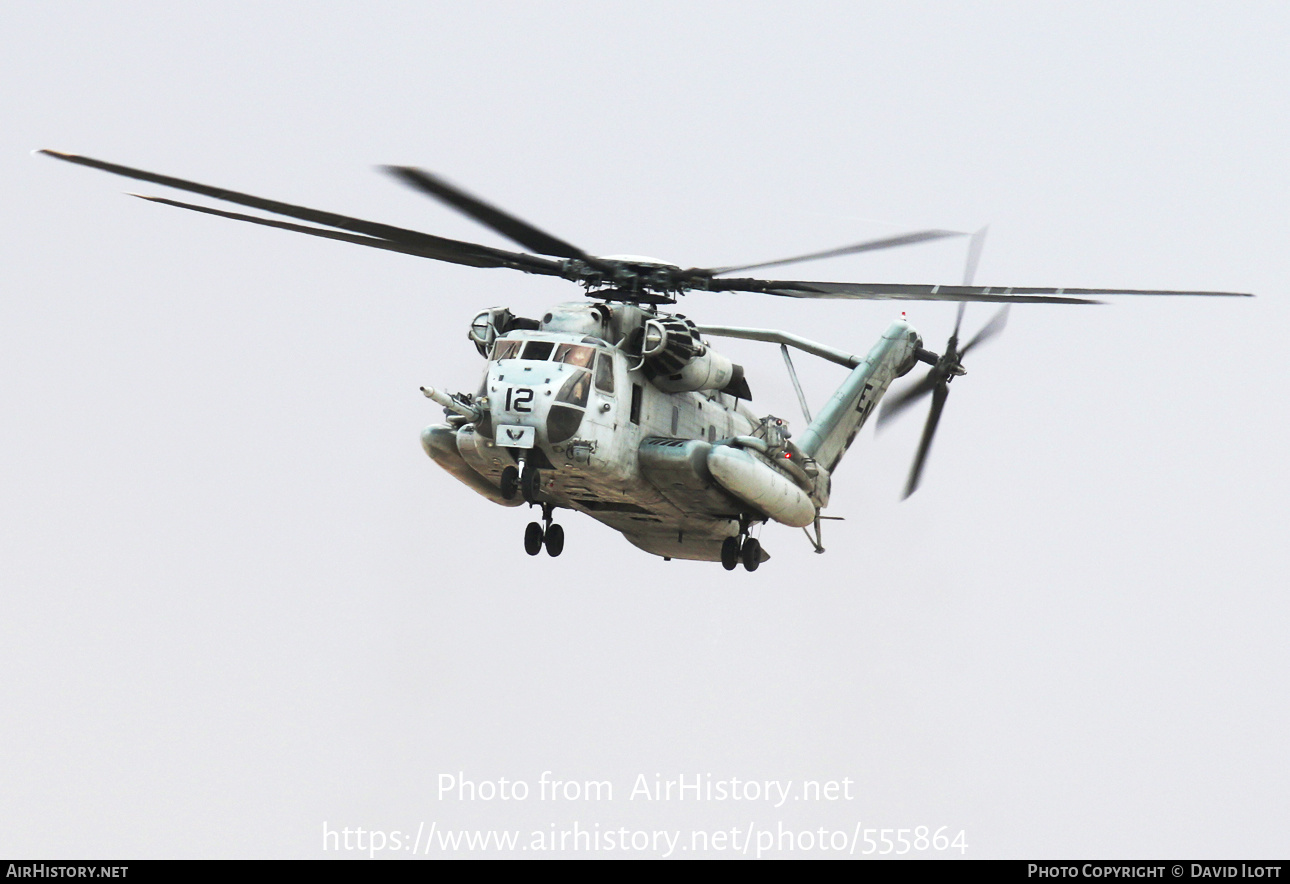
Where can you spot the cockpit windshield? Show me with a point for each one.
(579, 355)
(575, 354)
(506, 349)
(538, 351)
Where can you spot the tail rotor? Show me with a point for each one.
(944, 369)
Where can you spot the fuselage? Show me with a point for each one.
(675, 472)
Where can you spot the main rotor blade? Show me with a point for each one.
(357, 239)
(437, 247)
(939, 395)
(894, 406)
(906, 292)
(888, 291)
(996, 324)
(490, 216)
(872, 245)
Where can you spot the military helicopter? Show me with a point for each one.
(620, 409)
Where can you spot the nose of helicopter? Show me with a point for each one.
(520, 400)
(545, 398)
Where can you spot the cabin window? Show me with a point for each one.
(637, 395)
(605, 373)
(676, 418)
(538, 351)
(575, 354)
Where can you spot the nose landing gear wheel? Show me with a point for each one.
(533, 538)
(730, 553)
(530, 485)
(510, 483)
(554, 540)
(751, 554)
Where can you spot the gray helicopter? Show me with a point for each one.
(622, 410)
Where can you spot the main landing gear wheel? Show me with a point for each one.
(554, 540)
(730, 553)
(751, 554)
(510, 483)
(544, 533)
(533, 538)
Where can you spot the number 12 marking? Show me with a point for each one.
(519, 399)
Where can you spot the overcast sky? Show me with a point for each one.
(240, 603)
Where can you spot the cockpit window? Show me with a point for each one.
(506, 349)
(538, 351)
(574, 391)
(575, 354)
(605, 373)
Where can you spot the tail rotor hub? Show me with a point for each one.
(944, 369)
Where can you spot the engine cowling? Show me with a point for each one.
(678, 361)
(669, 343)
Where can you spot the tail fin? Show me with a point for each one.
(835, 427)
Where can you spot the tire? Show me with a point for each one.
(751, 554)
(530, 485)
(730, 553)
(510, 483)
(554, 541)
(533, 539)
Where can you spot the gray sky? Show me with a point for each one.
(239, 601)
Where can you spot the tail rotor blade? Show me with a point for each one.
(975, 246)
(996, 324)
(893, 406)
(958, 321)
(939, 395)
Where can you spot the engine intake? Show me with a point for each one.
(669, 343)
(676, 359)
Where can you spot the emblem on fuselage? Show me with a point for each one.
(515, 437)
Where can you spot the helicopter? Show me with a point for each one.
(621, 409)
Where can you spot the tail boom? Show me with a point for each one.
(834, 429)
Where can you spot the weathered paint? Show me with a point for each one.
(835, 427)
(761, 486)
